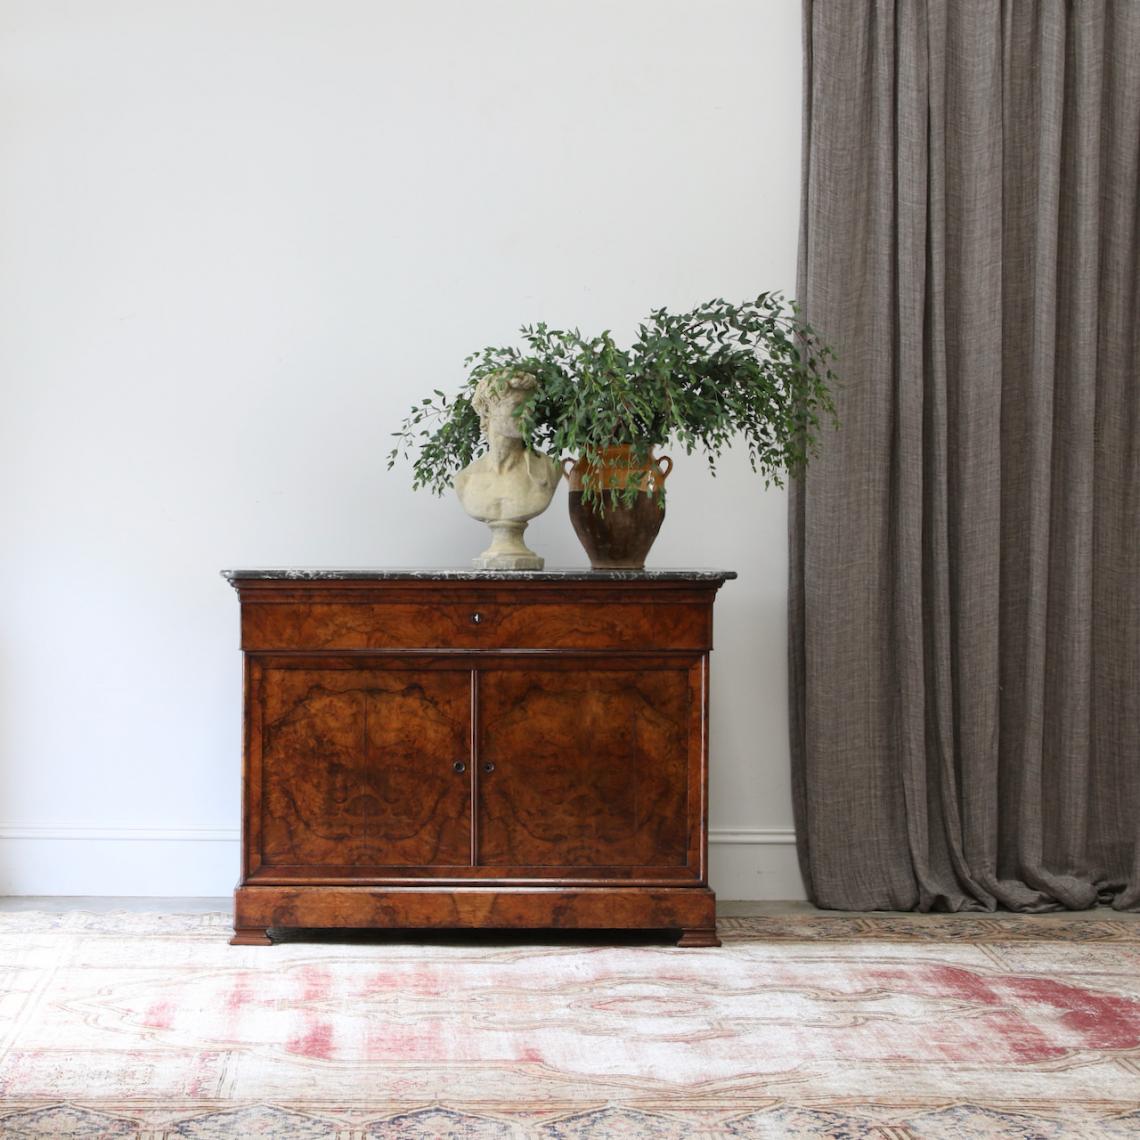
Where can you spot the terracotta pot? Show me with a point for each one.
(620, 535)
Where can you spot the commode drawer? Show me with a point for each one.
(475, 623)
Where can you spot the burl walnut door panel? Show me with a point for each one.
(358, 768)
(589, 767)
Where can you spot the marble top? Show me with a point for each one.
(334, 574)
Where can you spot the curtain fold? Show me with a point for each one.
(964, 600)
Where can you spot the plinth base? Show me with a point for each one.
(691, 911)
(508, 562)
(507, 550)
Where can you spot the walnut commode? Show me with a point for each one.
(428, 749)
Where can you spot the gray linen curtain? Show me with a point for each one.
(965, 552)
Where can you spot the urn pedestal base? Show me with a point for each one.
(507, 550)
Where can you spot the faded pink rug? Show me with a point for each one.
(151, 1026)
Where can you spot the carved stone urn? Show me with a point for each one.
(510, 484)
(506, 500)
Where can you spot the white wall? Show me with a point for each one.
(237, 239)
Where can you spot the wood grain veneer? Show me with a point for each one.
(428, 753)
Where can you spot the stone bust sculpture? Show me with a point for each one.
(510, 484)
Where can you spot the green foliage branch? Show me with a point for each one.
(696, 379)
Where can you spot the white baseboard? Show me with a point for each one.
(749, 864)
(154, 861)
(165, 834)
(754, 864)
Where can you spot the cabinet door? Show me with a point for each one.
(590, 765)
(357, 767)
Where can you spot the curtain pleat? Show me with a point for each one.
(964, 598)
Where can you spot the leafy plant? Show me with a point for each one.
(695, 379)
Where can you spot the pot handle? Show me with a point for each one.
(568, 470)
(664, 472)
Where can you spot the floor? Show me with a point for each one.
(100, 904)
(142, 1022)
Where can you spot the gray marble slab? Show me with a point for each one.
(334, 574)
